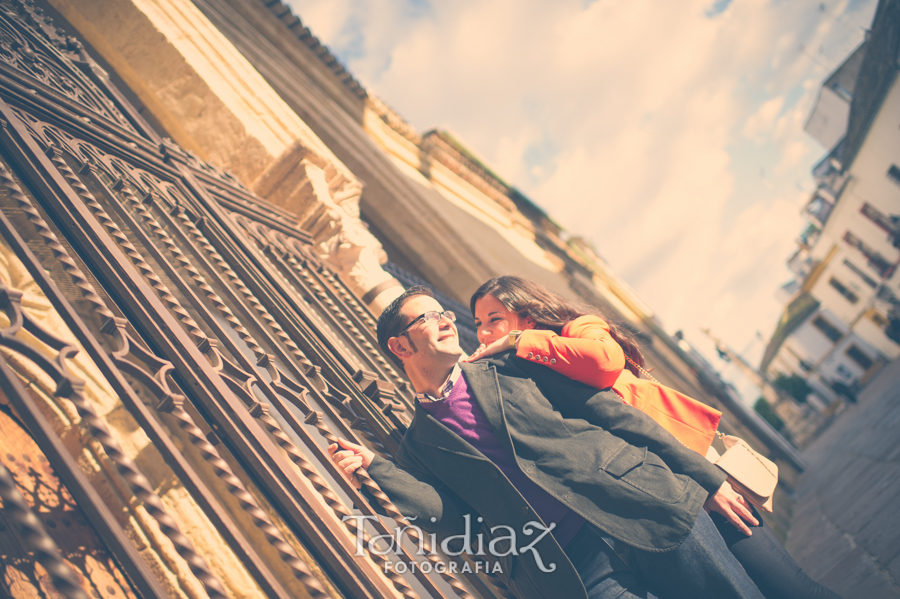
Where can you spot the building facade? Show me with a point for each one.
(836, 332)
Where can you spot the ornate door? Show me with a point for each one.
(176, 355)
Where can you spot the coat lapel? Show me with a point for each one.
(482, 379)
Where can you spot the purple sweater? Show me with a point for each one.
(460, 413)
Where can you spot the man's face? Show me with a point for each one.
(428, 344)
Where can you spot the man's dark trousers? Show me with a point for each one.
(701, 566)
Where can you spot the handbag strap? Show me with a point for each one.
(641, 369)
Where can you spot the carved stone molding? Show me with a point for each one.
(326, 203)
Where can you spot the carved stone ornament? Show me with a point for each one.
(326, 203)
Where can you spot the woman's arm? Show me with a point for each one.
(585, 352)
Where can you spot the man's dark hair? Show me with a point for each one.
(392, 322)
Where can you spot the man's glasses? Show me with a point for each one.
(430, 316)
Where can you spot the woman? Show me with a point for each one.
(512, 312)
(585, 348)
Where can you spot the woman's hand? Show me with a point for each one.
(350, 458)
(484, 351)
(733, 506)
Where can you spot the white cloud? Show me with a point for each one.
(760, 125)
(792, 155)
(790, 124)
(753, 268)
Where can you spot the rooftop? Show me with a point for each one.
(876, 75)
(843, 79)
(284, 14)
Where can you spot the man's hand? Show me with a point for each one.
(484, 351)
(733, 506)
(350, 458)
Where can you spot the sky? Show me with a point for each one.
(670, 134)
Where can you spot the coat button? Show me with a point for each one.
(553, 360)
(531, 354)
(525, 509)
(495, 474)
(545, 358)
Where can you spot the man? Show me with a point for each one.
(519, 450)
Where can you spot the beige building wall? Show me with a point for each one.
(457, 184)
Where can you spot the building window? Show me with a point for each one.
(894, 174)
(878, 262)
(858, 356)
(842, 92)
(844, 372)
(859, 272)
(882, 220)
(851, 297)
(819, 208)
(879, 319)
(828, 329)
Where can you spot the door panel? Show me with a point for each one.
(209, 330)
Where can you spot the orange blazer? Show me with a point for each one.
(587, 353)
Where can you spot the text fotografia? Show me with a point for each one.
(442, 568)
(504, 541)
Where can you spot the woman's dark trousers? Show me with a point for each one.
(768, 563)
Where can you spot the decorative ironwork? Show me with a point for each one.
(36, 538)
(246, 294)
(34, 47)
(51, 241)
(71, 388)
(240, 382)
(154, 378)
(152, 372)
(206, 310)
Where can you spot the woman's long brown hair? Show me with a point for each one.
(550, 310)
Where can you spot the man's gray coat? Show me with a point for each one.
(605, 460)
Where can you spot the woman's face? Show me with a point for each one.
(495, 321)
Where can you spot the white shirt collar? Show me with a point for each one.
(447, 388)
